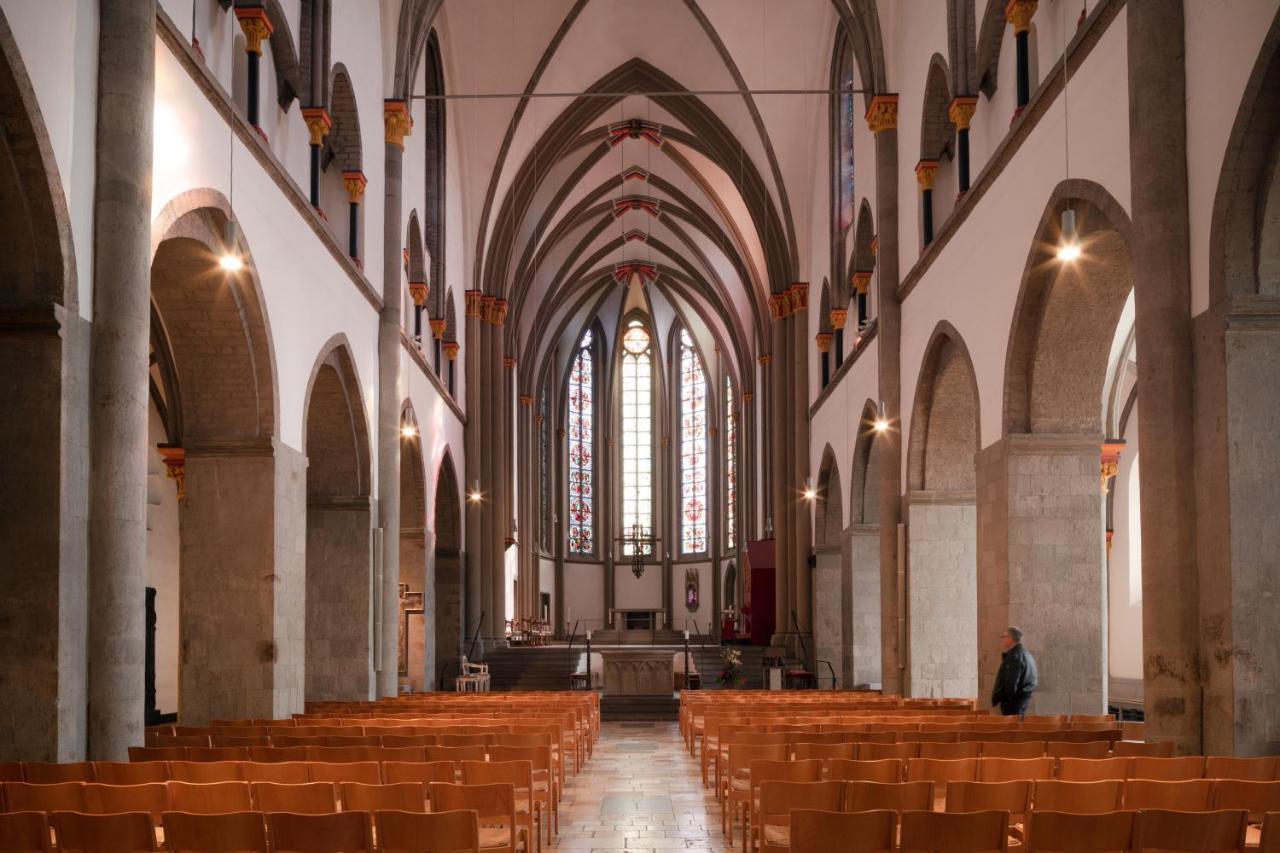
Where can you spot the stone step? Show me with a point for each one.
(639, 707)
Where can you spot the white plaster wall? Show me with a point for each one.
(706, 619)
(838, 420)
(584, 596)
(1124, 588)
(547, 581)
(630, 591)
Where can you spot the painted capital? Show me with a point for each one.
(355, 183)
(961, 111)
(839, 316)
(451, 350)
(926, 171)
(1110, 462)
(537, 418)
(748, 396)
(765, 360)
(799, 294)
(1019, 13)
(882, 114)
(319, 123)
(666, 441)
(824, 341)
(779, 305)
(472, 301)
(437, 329)
(486, 308)
(526, 399)
(508, 361)
(256, 26)
(875, 245)
(499, 313)
(175, 467)
(396, 122)
(419, 290)
(861, 282)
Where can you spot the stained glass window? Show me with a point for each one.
(730, 466)
(544, 472)
(581, 433)
(693, 449)
(637, 435)
(844, 154)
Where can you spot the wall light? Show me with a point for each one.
(881, 423)
(230, 259)
(1069, 247)
(409, 431)
(810, 494)
(475, 494)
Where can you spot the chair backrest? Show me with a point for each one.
(815, 831)
(422, 772)
(230, 832)
(1221, 831)
(494, 805)
(1192, 795)
(464, 740)
(277, 754)
(885, 770)
(1093, 769)
(798, 738)
(25, 831)
(365, 772)
(778, 799)
(400, 797)
(456, 754)
(742, 754)
(150, 797)
(340, 832)
(942, 770)
(970, 832)
(407, 741)
(57, 797)
(1168, 769)
(880, 751)
(130, 773)
(766, 770)
(895, 796)
(516, 773)
(205, 771)
(1013, 797)
(950, 751)
(1143, 749)
(10, 771)
(1013, 749)
(825, 751)
(129, 832)
(1009, 769)
(1270, 840)
(1093, 749)
(438, 832)
(1078, 797)
(48, 773)
(282, 773)
(1257, 798)
(305, 798)
(1249, 769)
(209, 798)
(1061, 832)
(538, 756)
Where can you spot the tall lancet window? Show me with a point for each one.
(693, 449)
(581, 434)
(730, 466)
(637, 435)
(544, 472)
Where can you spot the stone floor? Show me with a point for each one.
(641, 791)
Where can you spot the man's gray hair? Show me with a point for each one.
(1015, 633)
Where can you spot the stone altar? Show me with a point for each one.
(637, 672)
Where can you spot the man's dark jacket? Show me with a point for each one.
(1016, 680)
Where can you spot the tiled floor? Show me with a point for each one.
(641, 791)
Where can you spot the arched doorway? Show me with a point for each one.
(448, 571)
(1041, 516)
(338, 607)
(415, 649)
(43, 344)
(860, 584)
(942, 594)
(829, 620)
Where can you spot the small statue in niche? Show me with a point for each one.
(691, 590)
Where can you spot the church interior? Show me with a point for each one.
(794, 395)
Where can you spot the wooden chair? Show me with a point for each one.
(1245, 769)
(150, 797)
(748, 795)
(422, 772)
(339, 832)
(130, 773)
(1060, 832)
(10, 771)
(1269, 842)
(950, 751)
(217, 753)
(57, 797)
(1143, 749)
(25, 832)
(1013, 749)
(745, 739)
(205, 772)
(518, 774)
(48, 773)
(1193, 795)
(1193, 832)
(896, 796)
(495, 808)
(277, 754)
(1168, 769)
(738, 765)
(456, 754)
(129, 832)
(1013, 797)
(1257, 798)
(399, 796)
(824, 751)
(364, 772)
(940, 772)
(772, 828)
(210, 798)
(305, 798)
(1098, 797)
(881, 751)
(1097, 749)
(1012, 769)
(438, 832)
(1093, 769)
(973, 832)
(546, 790)
(157, 753)
(230, 832)
(885, 770)
(281, 773)
(814, 831)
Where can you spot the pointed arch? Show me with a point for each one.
(693, 396)
(864, 256)
(415, 268)
(942, 455)
(864, 496)
(448, 582)
(435, 170)
(937, 133)
(987, 68)
(824, 307)
(284, 56)
(343, 143)
(582, 431)
(450, 318)
(828, 523)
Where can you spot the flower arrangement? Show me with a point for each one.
(730, 666)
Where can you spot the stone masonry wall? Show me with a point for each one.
(338, 616)
(864, 568)
(942, 595)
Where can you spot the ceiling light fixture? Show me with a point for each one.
(881, 423)
(409, 431)
(810, 494)
(1069, 244)
(230, 259)
(1069, 240)
(475, 495)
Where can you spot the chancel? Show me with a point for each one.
(557, 381)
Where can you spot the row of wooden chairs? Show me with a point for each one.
(810, 830)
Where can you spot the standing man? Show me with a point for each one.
(1017, 678)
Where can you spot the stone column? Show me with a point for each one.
(863, 607)
(774, 364)
(257, 27)
(318, 125)
(961, 112)
(926, 171)
(882, 118)
(499, 473)
(118, 377)
(1160, 264)
(839, 319)
(471, 444)
(485, 465)
(802, 529)
(861, 284)
(1019, 14)
(355, 183)
(823, 342)
(396, 125)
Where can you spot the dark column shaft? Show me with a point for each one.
(353, 230)
(255, 62)
(389, 415)
(1023, 71)
(315, 176)
(962, 146)
(926, 210)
